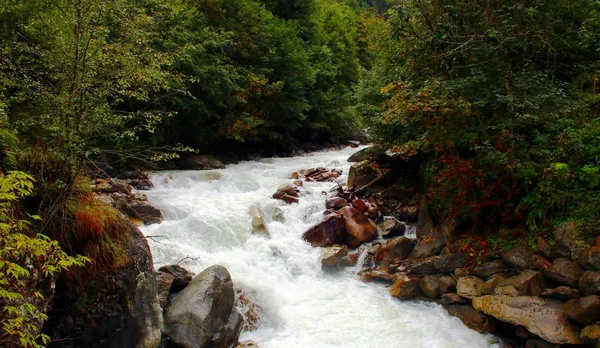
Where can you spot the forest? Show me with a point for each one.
(496, 101)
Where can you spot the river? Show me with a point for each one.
(207, 221)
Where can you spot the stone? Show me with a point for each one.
(543, 247)
(332, 255)
(527, 283)
(539, 344)
(591, 332)
(284, 190)
(540, 263)
(359, 228)
(349, 260)
(541, 317)
(564, 272)
(422, 267)
(472, 318)
(289, 199)
(203, 314)
(434, 286)
(589, 283)
(259, 221)
(449, 262)
(145, 212)
(428, 247)
(211, 176)
(247, 344)
(490, 268)
(368, 153)
(590, 258)
(519, 258)
(362, 174)
(584, 310)
(182, 276)
(470, 287)
(336, 203)
(164, 282)
(249, 310)
(405, 287)
(396, 249)
(382, 274)
(452, 298)
(365, 276)
(202, 162)
(425, 223)
(278, 215)
(562, 292)
(390, 228)
(326, 233)
(490, 285)
(567, 240)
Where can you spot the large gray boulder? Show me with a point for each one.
(542, 317)
(203, 315)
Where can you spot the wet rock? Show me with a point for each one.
(490, 285)
(326, 233)
(590, 258)
(519, 258)
(591, 332)
(144, 211)
(362, 174)
(409, 213)
(542, 317)
(589, 283)
(434, 286)
(366, 154)
(562, 292)
(336, 203)
(382, 274)
(259, 223)
(289, 199)
(584, 310)
(470, 287)
(472, 318)
(286, 190)
(353, 143)
(390, 228)
(405, 287)
(333, 255)
(359, 228)
(202, 162)
(564, 271)
(349, 260)
(203, 314)
(422, 267)
(428, 247)
(452, 298)
(247, 344)
(164, 283)
(528, 283)
(489, 269)
(396, 249)
(182, 277)
(449, 262)
(249, 310)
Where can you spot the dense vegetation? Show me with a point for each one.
(497, 102)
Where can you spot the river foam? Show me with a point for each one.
(207, 221)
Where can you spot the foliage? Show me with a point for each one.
(29, 262)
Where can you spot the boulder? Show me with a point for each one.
(541, 317)
(359, 228)
(289, 199)
(591, 332)
(428, 247)
(452, 298)
(470, 287)
(182, 277)
(326, 233)
(541, 263)
(284, 190)
(396, 249)
(519, 258)
(145, 211)
(405, 287)
(382, 274)
(202, 162)
(425, 224)
(490, 268)
(368, 153)
(564, 272)
(422, 267)
(390, 228)
(449, 262)
(472, 318)
(589, 283)
(259, 221)
(528, 283)
(539, 344)
(584, 310)
(336, 203)
(333, 255)
(248, 309)
(543, 247)
(562, 292)
(434, 286)
(590, 258)
(362, 174)
(567, 240)
(349, 260)
(164, 283)
(490, 285)
(203, 314)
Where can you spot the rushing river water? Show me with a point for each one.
(207, 219)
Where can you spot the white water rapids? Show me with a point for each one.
(207, 219)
